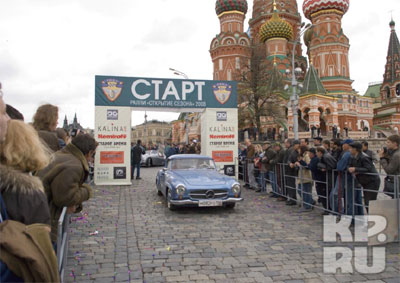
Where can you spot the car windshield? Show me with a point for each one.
(192, 163)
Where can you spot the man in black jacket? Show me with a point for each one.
(291, 174)
(318, 177)
(326, 165)
(136, 159)
(364, 170)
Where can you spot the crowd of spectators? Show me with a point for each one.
(342, 172)
(43, 170)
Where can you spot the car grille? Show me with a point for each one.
(205, 194)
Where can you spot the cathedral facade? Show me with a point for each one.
(326, 95)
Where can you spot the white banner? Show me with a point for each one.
(219, 138)
(113, 155)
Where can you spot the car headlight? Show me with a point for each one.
(236, 188)
(180, 190)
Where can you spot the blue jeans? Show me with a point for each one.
(133, 170)
(264, 176)
(306, 194)
(356, 203)
(272, 180)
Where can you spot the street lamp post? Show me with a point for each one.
(179, 73)
(294, 99)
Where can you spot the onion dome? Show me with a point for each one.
(392, 24)
(222, 6)
(276, 28)
(313, 6)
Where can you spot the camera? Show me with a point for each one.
(74, 132)
(385, 150)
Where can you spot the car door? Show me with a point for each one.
(160, 159)
(163, 178)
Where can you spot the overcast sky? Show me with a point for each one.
(50, 50)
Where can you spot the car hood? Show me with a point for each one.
(201, 177)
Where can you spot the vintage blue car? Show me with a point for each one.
(193, 180)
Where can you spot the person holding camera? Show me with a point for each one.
(390, 162)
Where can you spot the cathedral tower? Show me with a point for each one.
(388, 115)
(328, 46)
(230, 48)
(276, 33)
(263, 11)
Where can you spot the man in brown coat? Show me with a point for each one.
(251, 152)
(64, 179)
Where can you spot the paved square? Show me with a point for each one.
(139, 240)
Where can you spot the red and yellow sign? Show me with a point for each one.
(223, 156)
(111, 157)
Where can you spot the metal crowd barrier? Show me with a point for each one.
(338, 193)
(62, 242)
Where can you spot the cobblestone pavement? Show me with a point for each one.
(140, 240)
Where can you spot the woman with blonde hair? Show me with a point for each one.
(22, 153)
(45, 122)
(27, 254)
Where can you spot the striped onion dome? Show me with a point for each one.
(222, 6)
(313, 6)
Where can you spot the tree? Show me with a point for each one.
(260, 89)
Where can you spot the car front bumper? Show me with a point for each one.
(196, 202)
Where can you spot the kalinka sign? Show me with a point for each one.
(164, 93)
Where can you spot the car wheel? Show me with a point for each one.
(169, 204)
(149, 162)
(230, 205)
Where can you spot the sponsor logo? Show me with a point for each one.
(119, 172)
(222, 136)
(222, 116)
(112, 114)
(229, 170)
(222, 92)
(222, 129)
(101, 136)
(223, 156)
(112, 128)
(111, 157)
(112, 88)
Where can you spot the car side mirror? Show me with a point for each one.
(164, 169)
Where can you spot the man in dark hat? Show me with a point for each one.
(365, 172)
